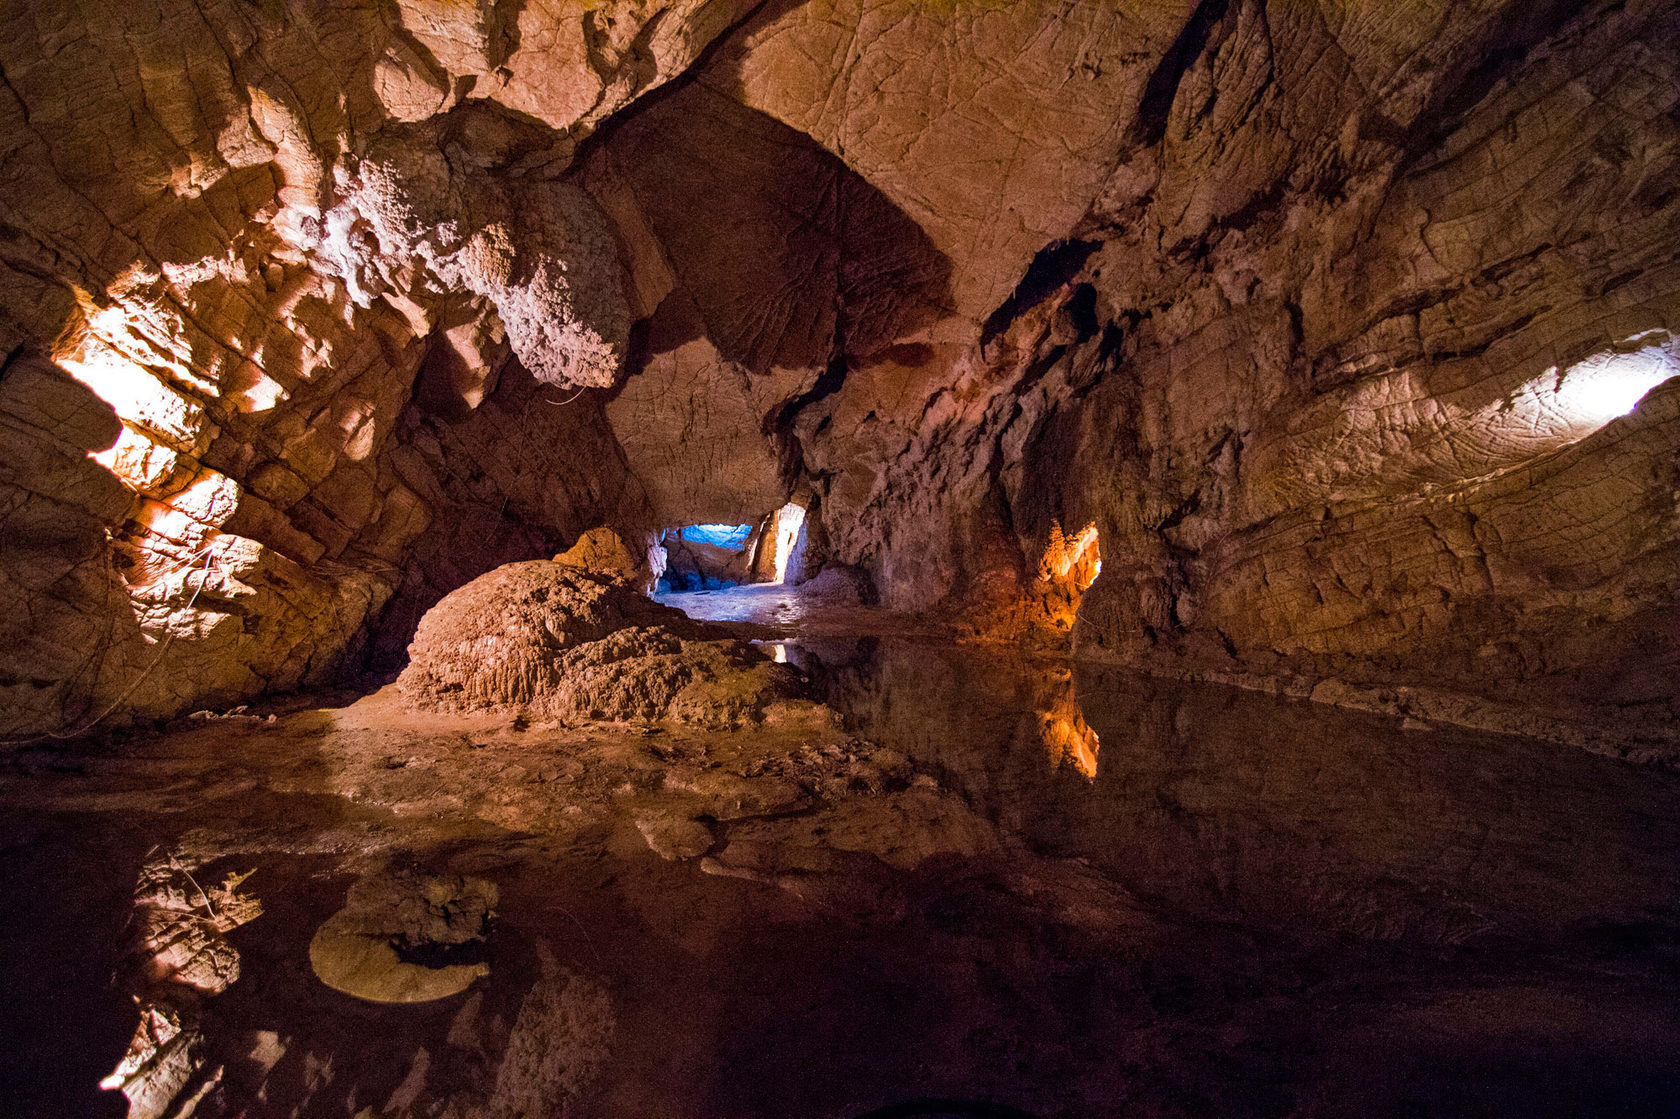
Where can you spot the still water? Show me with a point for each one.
(1222, 804)
(1166, 899)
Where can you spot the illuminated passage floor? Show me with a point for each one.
(1059, 889)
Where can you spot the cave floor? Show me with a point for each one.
(1051, 887)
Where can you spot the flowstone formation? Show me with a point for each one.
(1349, 334)
(561, 642)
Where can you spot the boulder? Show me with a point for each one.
(563, 642)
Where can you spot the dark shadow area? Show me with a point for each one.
(1051, 267)
(791, 259)
(85, 826)
(70, 884)
(1455, 923)
(946, 1109)
(1161, 89)
(1507, 50)
(515, 479)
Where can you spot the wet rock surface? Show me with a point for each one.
(405, 938)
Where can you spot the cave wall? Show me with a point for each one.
(1292, 302)
(1365, 441)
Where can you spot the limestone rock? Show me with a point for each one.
(541, 254)
(384, 297)
(560, 641)
(601, 551)
(674, 838)
(560, 1039)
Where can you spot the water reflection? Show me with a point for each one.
(1069, 737)
(1230, 805)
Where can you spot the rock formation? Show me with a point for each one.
(601, 551)
(560, 642)
(176, 957)
(1349, 333)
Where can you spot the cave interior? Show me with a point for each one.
(807, 558)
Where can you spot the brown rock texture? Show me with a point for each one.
(176, 957)
(406, 938)
(561, 642)
(1333, 323)
(601, 551)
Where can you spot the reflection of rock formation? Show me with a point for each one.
(1009, 739)
(560, 1040)
(403, 937)
(1066, 733)
(176, 957)
(1218, 802)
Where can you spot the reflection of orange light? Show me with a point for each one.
(1070, 738)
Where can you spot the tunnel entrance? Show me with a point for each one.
(706, 557)
(711, 556)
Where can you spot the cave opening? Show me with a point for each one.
(707, 557)
(810, 559)
(1611, 385)
(717, 557)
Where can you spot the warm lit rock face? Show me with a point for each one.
(559, 641)
(1324, 317)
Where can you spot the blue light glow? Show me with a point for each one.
(721, 536)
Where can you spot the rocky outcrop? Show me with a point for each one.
(1324, 321)
(561, 642)
(601, 551)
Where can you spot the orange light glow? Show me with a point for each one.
(1069, 566)
(1073, 558)
(158, 422)
(1069, 737)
